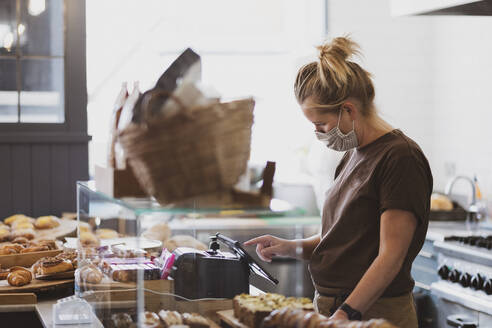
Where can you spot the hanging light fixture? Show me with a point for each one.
(36, 7)
(21, 28)
(8, 40)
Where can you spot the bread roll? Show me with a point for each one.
(19, 225)
(17, 217)
(26, 233)
(441, 203)
(106, 234)
(90, 274)
(184, 241)
(88, 239)
(47, 222)
(159, 231)
(4, 235)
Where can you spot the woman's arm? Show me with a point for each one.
(268, 246)
(396, 234)
(307, 245)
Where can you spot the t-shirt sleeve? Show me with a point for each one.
(404, 184)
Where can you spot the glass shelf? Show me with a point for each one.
(141, 206)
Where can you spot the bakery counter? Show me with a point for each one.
(25, 312)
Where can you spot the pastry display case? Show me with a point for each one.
(132, 267)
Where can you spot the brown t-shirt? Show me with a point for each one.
(389, 173)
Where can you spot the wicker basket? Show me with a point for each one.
(201, 150)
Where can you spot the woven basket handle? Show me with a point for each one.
(114, 137)
(151, 96)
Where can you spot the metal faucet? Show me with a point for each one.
(473, 213)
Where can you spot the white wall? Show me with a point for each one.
(433, 79)
(398, 52)
(462, 94)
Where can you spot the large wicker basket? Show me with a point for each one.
(199, 151)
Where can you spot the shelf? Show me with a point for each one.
(129, 207)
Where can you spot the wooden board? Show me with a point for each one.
(25, 259)
(18, 298)
(57, 276)
(162, 286)
(228, 317)
(36, 286)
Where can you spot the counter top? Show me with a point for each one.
(45, 310)
(440, 229)
(249, 223)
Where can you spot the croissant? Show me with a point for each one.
(19, 277)
(91, 274)
(296, 318)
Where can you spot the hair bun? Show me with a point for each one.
(335, 77)
(333, 59)
(340, 48)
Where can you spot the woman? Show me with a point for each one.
(375, 216)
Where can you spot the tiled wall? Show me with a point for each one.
(433, 79)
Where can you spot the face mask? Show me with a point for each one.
(336, 140)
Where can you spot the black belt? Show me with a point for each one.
(342, 296)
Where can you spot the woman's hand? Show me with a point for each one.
(269, 246)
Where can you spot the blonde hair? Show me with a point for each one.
(334, 78)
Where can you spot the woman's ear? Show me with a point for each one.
(351, 109)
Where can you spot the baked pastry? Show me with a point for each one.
(19, 276)
(47, 222)
(87, 238)
(20, 224)
(159, 231)
(10, 249)
(170, 318)
(35, 249)
(17, 217)
(51, 265)
(106, 234)
(4, 235)
(4, 273)
(84, 227)
(440, 203)
(122, 320)
(292, 317)
(194, 320)
(27, 233)
(184, 241)
(251, 310)
(151, 320)
(47, 242)
(20, 240)
(91, 274)
(174, 319)
(69, 255)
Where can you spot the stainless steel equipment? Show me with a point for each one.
(464, 288)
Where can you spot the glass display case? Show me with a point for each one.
(138, 259)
